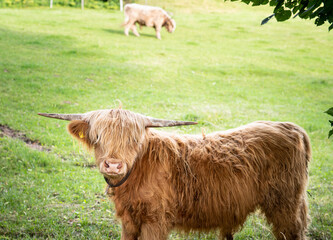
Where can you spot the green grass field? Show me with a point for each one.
(220, 68)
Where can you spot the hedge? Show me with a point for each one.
(108, 4)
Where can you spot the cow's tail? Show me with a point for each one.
(303, 208)
(304, 148)
(126, 16)
(307, 146)
(125, 21)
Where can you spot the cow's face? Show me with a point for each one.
(170, 25)
(117, 137)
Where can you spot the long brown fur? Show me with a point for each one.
(188, 182)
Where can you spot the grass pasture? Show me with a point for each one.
(220, 68)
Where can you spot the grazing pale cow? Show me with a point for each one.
(148, 16)
(161, 181)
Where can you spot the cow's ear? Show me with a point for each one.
(80, 130)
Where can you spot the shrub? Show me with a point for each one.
(108, 4)
(330, 112)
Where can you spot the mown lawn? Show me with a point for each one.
(220, 68)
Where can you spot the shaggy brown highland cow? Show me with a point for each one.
(161, 181)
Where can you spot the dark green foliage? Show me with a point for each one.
(109, 4)
(330, 112)
(319, 10)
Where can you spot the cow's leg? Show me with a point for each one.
(158, 32)
(227, 236)
(286, 209)
(289, 222)
(127, 236)
(304, 217)
(129, 230)
(128, 26)
(154, 231)
(133, 28)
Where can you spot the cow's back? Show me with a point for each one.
(145, 15)
(229, 174)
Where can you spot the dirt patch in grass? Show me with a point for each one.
(12, 133)
(36, 145)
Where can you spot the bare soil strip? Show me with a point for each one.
(33, 144)
(36, 145)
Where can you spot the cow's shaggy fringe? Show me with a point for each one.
(193, 183)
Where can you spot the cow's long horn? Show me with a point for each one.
(68, 117)
(154, 122)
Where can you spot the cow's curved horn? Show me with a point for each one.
(68, 117)
(154, 122)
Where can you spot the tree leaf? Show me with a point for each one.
(320, 20)
(273, 3)
(330, 111)
(296, 15)
(256, 2)
(279, 4)
(330, 133)
(307, 12)
(246, 1)
(331, 122)
(264, 21)
(296, 8)
(282, 15)
(317, 12)
(290, 4)
(330, 27)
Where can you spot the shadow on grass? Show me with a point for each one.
(36, 40)
(121, 32)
